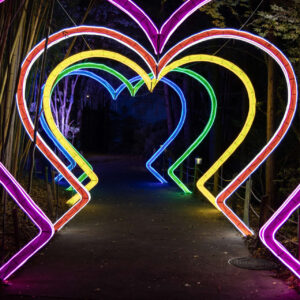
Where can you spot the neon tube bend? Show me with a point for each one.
(200, 138)
(250, 117)
(102, 81)
(36, 215)
(114, 94)
(268, 231)
(159, 38)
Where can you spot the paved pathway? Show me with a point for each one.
(138, 240)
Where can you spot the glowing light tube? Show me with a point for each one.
(198, 38)
(195, 144)
(169, 140)
(29, 61)
(35, 214)
(47, 107)
(268, 231)
(249, 120)
(201, 136)
(49, 133)
(159, 38)
(76, 70)
(105, 68)
(99, 79)
(292, 96)
(174, 133)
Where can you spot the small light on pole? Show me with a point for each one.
(198, 161)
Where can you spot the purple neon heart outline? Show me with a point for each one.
(36, 215)
(159, 37)
(268, 231)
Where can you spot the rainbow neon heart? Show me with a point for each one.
(158, 39)
(211, 34)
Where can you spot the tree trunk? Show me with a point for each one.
(187, 125)
(269, 176)
(168, 109)
(38, 101)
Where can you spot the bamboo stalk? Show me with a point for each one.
(36, 120)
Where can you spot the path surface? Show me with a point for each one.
(138, 240)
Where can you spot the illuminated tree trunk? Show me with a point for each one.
(62, 103)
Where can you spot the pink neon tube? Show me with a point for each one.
(159, 38)
(44, 225)
(269, 230)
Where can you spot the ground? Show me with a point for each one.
(140, 240)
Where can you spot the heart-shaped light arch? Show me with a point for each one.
(102, 53)
(211, 34)
(77, 70)
(114, 94)
(133, 91)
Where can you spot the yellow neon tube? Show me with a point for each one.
(249, 121)
(47, 107)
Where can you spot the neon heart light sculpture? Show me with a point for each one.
(107, 54)
(133, 90)
(189, 72)
(47, 107)
(207, 35)
(209, 124)
(156, 68)
(114, 95)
